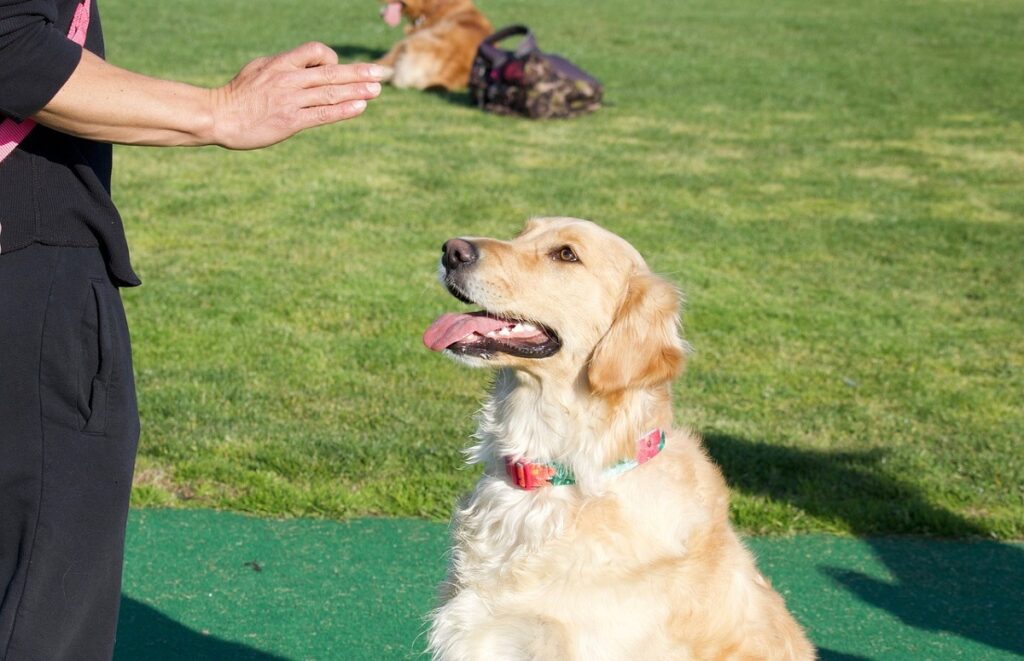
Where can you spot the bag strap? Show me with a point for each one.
(497, 56)
(12, 132)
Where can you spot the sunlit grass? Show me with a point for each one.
(836, 186)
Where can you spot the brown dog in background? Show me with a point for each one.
(439, 45)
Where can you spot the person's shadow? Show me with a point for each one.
(969, 588)
(146, 633)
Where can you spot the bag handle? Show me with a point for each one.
(497, 56)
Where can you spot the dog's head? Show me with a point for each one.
(565, 299)
(414, 10)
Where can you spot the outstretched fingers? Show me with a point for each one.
(331, 95)
(272, 98)
(337, 74)
(320, 115)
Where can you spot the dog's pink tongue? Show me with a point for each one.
(392, 13)
(452, 327)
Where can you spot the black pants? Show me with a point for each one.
(69, 428)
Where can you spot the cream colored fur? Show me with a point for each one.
(643, 565)
(439, 44)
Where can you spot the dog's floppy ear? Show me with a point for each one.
(642, 348)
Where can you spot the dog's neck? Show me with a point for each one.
(526, 416)
(438, 10)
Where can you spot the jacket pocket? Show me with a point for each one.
(98, 359)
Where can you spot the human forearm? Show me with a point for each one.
(271, 99)
(106, 103)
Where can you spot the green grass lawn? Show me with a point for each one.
(836, 186)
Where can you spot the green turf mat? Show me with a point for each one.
(212, 585)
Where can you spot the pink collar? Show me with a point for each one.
(531, 475)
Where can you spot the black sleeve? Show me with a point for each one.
(36, 57)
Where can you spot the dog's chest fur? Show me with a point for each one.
(557, 549)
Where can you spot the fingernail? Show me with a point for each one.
(373, 88)
(375, 71)
(359, 106)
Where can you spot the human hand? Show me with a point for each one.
(273, 98)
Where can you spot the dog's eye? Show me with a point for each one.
(565, 254)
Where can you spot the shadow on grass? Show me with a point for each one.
(456, 98)
(145, 633)
(971, 589)
(354, 52)
(968, 588)
(850, 487)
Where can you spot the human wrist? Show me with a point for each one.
(226, 118)
(204, 120)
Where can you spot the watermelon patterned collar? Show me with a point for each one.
(531, 475)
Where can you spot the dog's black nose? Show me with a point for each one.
(458, 253)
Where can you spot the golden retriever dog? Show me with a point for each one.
(598, 531)
(441, 40)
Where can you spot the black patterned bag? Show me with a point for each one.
(528, 82)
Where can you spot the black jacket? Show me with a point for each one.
(54, 189)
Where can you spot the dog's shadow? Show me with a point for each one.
(967, 588)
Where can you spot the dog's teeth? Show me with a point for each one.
(505, 332)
